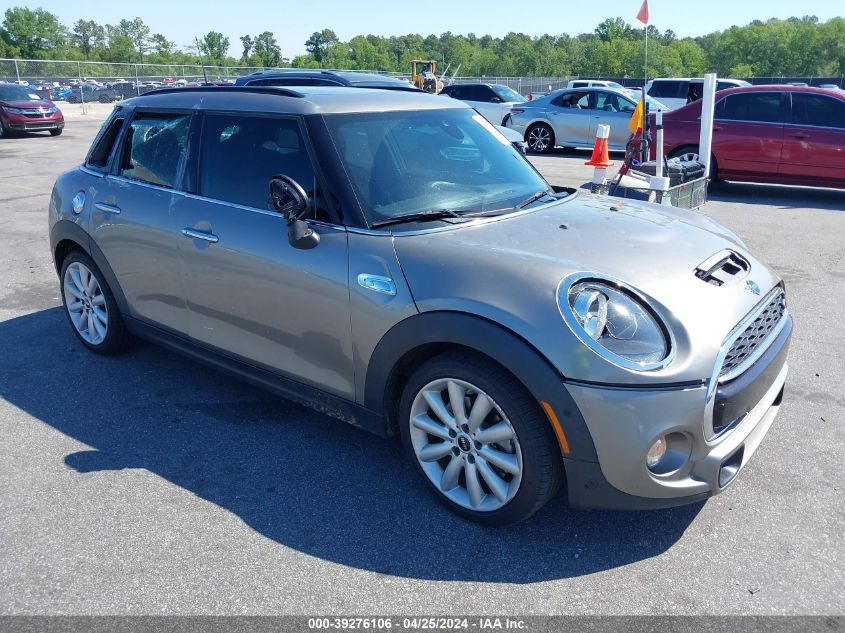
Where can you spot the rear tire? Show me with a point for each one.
(540, 138)
(494, 460)
(90, 306)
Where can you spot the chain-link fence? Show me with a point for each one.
(142, 75)
(64, 72)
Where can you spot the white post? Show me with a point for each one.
(658, 123)
(708, 104)
(17, 72)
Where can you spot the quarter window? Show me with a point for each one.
(154, 148)
(99, 157)
(817, 110)
(759, 107)
(240, 154)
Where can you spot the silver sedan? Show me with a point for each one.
(569, 118)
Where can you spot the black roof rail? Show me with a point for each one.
(397, 88)
(276, 90)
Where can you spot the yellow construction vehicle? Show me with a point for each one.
(424, 75)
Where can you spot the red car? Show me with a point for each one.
(772, 134)
(22, 110)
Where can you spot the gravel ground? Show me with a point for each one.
(147, 484)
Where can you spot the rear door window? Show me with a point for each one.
(817, 110)
(472, 93)
(758, 107)
(669, 89)
(154, 148)
(484, 94)
(578, 100)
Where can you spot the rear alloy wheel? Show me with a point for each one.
(478, 439)
(540, 138)
(91, 307)
(2, 129)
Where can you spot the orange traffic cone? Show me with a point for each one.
(601, 157)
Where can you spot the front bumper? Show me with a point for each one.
(23, 123)
(625, 422)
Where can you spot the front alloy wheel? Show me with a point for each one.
(465, 444)
(479, 439)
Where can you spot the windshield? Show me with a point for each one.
(507, 94)
(404, 163)
(18, 93)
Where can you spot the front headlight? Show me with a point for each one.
(15, 110)
(615, 324)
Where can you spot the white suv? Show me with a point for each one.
(675, 93)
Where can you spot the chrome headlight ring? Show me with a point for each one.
(615, 321)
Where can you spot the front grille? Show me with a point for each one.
(754, 335)
(40, 126)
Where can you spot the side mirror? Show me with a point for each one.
(290, 199)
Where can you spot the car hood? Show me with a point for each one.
(28, 103)
(508, 270)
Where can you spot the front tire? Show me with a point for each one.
(690, 152)
(56, 132)
(90, 306)
(478, 439)
(540, 138)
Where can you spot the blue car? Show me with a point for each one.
(60, 94)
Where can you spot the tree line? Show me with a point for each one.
(793, 47)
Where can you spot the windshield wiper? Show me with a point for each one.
(534, 198)
(422, 216)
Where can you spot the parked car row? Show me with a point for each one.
(570, 117)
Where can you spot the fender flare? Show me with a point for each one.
(500, 344)
(66, 230)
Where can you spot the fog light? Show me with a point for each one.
(656, 453)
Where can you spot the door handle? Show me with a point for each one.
(199, 235)
(107, 208)
(798, 135)
(717, 128)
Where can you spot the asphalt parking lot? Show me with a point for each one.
(146, 484)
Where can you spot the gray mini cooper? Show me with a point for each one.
(389, 258)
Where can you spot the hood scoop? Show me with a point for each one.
(724, 268)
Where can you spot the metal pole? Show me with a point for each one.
(708, 104)
(658, 121)
(17, 72)
(81, 91)
(137, 84)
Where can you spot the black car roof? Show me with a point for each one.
(294, 100)
(347, 77)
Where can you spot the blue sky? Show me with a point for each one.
(293, 22)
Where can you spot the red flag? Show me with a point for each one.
(642, 16)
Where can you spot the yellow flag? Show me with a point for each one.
(636, 122)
